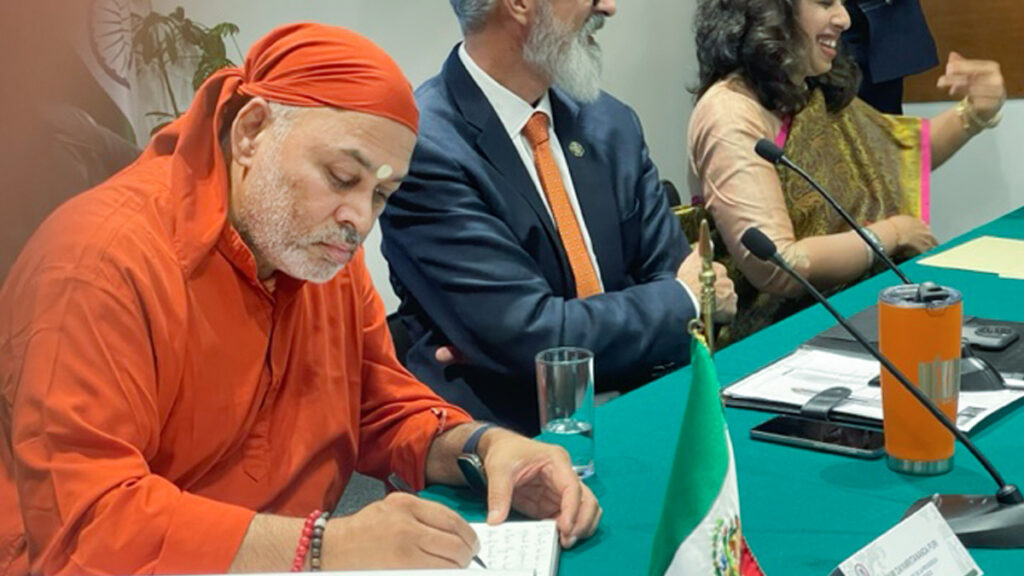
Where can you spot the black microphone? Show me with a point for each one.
(769, 151)
(979, 521)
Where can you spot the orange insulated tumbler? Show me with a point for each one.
(919, 331)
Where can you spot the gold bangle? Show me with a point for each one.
(970, 120)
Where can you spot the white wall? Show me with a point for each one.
(984, 180)
(649, 63)
(649, 60)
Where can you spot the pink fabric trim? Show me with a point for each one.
(783, 135)
(926, 170)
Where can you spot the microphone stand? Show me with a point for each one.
(772, 153)
(979, 521)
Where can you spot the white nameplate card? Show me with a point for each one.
(921, 545)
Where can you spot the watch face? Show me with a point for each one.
(473, 471)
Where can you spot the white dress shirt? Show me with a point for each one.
(514, 113)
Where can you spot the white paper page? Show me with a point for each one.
(529, 545)
(798, 377)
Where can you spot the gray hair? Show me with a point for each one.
(472, 14)
(282, 117)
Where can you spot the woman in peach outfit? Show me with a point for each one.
(774, 69)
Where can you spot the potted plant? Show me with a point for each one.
(169, 42)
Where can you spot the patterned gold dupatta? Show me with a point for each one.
(875, 165)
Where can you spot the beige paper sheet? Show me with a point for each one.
(1003, 256)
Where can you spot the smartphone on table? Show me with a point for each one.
(845, 439)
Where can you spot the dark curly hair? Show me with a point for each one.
(761, 40)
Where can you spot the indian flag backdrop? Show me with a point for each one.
(700, 533)
(105, 46)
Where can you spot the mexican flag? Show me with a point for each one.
(699, 533)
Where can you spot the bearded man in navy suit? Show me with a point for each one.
(533, 217)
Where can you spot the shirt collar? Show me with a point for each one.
(513, 111)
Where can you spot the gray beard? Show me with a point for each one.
(269, 223)
(572, 63)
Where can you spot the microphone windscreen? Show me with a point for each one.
(768, 150)
(758, 244)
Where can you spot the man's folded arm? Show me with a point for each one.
(663, 246)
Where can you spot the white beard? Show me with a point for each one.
(270, 223)
(571, 61)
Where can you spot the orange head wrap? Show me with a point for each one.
(303, 64)
(316, 65)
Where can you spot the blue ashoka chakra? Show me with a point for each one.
(110, 38)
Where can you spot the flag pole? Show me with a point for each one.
(707, 285)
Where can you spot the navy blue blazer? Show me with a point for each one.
(478, 264)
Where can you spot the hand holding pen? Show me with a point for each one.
(400, 485)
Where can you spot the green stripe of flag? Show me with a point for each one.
(700, 464)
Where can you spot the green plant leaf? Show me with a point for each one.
(171, 49)
(190, 33)
(147, 48)
(225, 29)
(203, 71)
(160, 40)
(213, 46)
(206, 68)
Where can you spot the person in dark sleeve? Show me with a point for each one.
(889, 39)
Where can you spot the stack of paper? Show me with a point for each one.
(788, 384)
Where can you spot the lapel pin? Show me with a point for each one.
(576, 149)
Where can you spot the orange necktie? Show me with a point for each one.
(536, 132)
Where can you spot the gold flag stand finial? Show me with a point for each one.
(696, 330)
(707, 284)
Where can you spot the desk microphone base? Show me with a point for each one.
(979, 520)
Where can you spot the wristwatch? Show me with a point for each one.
(470, 463)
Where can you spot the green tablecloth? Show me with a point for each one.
(803, 512)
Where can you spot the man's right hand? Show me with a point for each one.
(448, 355)
(725, 292)
(400, 531)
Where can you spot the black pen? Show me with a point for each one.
(400, 485)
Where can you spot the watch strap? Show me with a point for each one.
(474, 439)
(470, 463)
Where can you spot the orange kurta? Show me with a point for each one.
(148, 412)
(155, 394)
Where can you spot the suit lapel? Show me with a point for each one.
(494, 143)
(592, 182)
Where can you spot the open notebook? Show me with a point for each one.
(530, 547)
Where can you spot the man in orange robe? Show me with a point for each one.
(193, 357)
